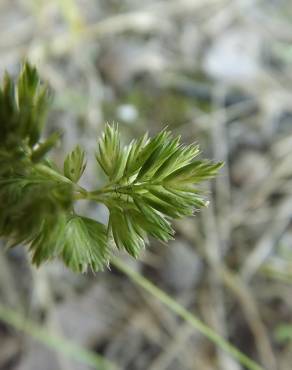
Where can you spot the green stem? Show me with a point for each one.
(104, 190)
(86, 195)
(41, 168)
(186, 315)
(124, 189)
(41, 150)
(81, 193)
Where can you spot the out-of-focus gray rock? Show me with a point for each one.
(88, 317)
(233, 57)
(251, 167)
(38, 357)
(122, 61)
(181, 267)
(83, 320)
(10, 348)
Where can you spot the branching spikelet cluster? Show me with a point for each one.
(150, 182)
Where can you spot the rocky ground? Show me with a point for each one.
(218, 72)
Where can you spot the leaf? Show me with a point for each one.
(134, 150)
(125, 232)
(85, 244)
(33, 99)
(180, 202)
(150, 182)
(23, 108)
(162, 152)
(49, 241)
(145, 148)
(109, 155)
(155, 225)
(154, 184)
(75, 164)
(193, 172)
(30, 196)
(131, 225)
(179, 158)
(41, 149)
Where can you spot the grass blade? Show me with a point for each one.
(186, 315)
(54, 342)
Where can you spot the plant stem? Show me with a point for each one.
(186, 315)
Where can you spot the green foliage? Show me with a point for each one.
(23, 109)
(75, 164)
(283, 333)
(29, 199)
(85, 244)
(150, 182)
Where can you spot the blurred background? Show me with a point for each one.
(218, 72)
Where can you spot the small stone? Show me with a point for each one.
(127, 113)
(181, 267)
(251, 167)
